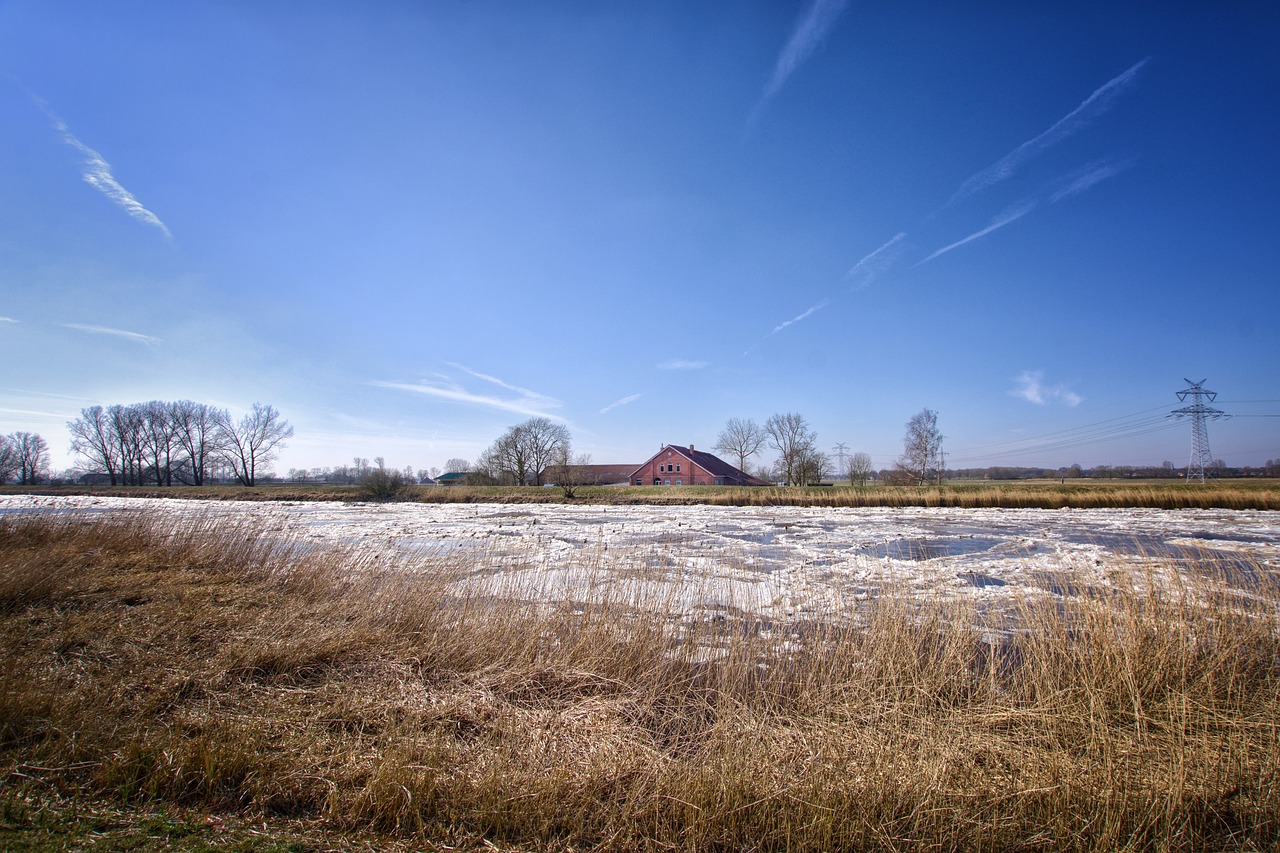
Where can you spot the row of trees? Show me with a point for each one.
(800, 463)
(24, 456)
(184, 442)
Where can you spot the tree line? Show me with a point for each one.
(25, 456)
(184, 442)
(536, 452)
(800, 463)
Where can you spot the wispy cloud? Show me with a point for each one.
(521, 400)
(631, 398)
(875, 264)
(804, 316)
(524, 393)
(136, 337)
(97, 173)
(1030, 386)
(681, 364)
(809, 33)
(1083, 178)
(1012, 214)
(1093, 106)
(7, 320)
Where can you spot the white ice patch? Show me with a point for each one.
(775, 561)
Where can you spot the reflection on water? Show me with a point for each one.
(929, 549)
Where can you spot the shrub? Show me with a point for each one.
(383, 484)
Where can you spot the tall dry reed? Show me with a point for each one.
(226, 670)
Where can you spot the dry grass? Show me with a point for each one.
(1257, 494)
(222, 671)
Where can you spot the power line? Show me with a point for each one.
(1111, 429)
(1084, 428)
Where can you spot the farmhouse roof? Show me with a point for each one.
(598, 475)
(710, 463)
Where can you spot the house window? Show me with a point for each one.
(677, 467)
(639, 481)
(678, 482)
(667, 483)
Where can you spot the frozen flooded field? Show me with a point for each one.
(778, 561)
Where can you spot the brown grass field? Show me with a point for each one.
(1256, 493)
(213, 689)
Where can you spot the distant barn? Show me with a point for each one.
(674, 465)
(592, 475)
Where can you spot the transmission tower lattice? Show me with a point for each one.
(1199, 412)
(841, 450)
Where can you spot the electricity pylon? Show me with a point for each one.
(1199, 412)
(841, 450)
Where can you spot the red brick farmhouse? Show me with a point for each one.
(674, 465)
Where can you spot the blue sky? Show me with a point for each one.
(409, 225)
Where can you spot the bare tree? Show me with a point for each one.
(8, 458)
(859, 469)
(922, 445)
(791, 437)
(506, 460)
(94, 440)
(126, 424)
(456, 466)
(159, 440)
(522, 452)
(813, 465)
(570, 472)
(196, 431)
(251, 443)
(33, 457)
(545, 441)
(742, 439)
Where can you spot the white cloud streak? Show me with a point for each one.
(136, 337)
(7, 320)
(523, 392)
(631, 398)
(524, 401)
(1093, 106)
(681, 364)
(1013, 214)
(1084, 178)
(809, 33)
(1030, 386)
(96, 172)
(804, 316)
(875, 264)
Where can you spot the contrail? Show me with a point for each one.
(1080, 180)
(874, 264)
(526, 402)
(136, 337)
(806, 315)
(809, 32)
(97, 173)
(624, 401)
(1004, 219)
(1094, 105)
